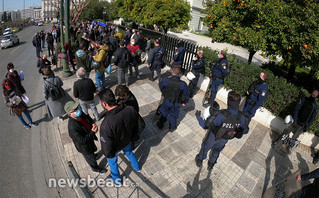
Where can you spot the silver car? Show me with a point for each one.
(9, 40)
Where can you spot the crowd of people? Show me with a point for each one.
(99, 49)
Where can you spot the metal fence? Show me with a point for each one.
(169, 42)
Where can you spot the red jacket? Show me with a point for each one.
(132, 48)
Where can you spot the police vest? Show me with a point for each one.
(230, 126)
(172, 92)
(305, 112)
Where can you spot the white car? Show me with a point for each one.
(7, 31)
(40, 24)
(9, 40)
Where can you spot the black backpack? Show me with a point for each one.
(55, 92)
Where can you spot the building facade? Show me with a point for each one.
(196, 23)
(51, 8)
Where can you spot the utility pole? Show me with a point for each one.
(65, 63)
(24, 13)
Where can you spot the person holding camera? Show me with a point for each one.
(198, 67)
(222, 126)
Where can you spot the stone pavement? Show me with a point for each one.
(245, 168)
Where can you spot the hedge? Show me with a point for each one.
(282, 97)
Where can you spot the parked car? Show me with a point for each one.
(9, 40)
(15, 29)
(40, 24)
(7, 31)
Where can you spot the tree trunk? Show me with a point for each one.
(291, 72)
(250, 58)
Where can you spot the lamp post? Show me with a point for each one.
(65, 63)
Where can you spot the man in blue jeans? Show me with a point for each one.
(117, 130)
(100, 57)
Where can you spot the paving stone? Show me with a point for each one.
(247, 182)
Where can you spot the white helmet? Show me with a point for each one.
(206, 113)
(289, 119)
(190, 76)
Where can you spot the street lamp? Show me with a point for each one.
(65, 63)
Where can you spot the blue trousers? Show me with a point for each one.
(156, 68)
(215, 84)
(171, 111)
(114, 167)
(27, 114)
(193, 85)
(100, 79)
(216, 146)
(248, 107)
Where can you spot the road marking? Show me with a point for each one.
(14, 50)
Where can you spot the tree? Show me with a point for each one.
(286, 28)
(94, 10)
(4, 17)
(236, 22)
(163, 13)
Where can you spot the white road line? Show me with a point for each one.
(14, 50)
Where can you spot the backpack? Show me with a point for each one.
(95, 65)
(34, 42)
(127, 57)
(55, 92)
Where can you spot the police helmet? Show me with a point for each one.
(289, 119)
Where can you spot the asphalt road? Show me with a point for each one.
(28, 157)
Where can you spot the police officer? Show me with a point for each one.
(175, 92)
(179, 54)
(198, 67)
(257, 95)
(224, 122)
(155, 62)
(219, 73)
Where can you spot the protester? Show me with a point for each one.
(125, 96)
(15, 77)
(84, 89)
(82, 130)
(12, 98)
(55, 106)
(83, 60)
(117, 130)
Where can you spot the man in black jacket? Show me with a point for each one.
(121, 59)
(44, 63)
(84, 89)
(82, 131)
(118, 129)
(125, 96)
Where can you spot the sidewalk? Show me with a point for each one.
(245, 168)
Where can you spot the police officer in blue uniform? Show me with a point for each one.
(219, 73)
(175, 93)
(256, 95)
(179, 54)
(155, 62)
(222, 126)
(198, 67)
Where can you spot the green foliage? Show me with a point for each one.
(282, 97)
(164, 13)
(285, 28)
(95, 9)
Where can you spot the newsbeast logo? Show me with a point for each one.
(89, 182)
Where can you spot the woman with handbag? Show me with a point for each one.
(16, 105)
(54, 95)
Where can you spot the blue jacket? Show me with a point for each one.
(179, 56)
(198, 65)
(183, 87)
(221, 69)
(157, 55)
(312, 175)
(298, 108)
(259, 95)
(218, 120)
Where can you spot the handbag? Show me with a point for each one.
(95, 64)
(19, 108)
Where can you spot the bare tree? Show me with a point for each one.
(77, 9)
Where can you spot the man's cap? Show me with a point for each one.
(71, 105)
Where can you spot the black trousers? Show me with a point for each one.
(91, 160)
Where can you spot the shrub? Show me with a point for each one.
(282, 97)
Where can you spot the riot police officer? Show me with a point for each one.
(175, 93)
(257, 95)
(219, 73)
(198, 67)
(155, 62)
(222, 126)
